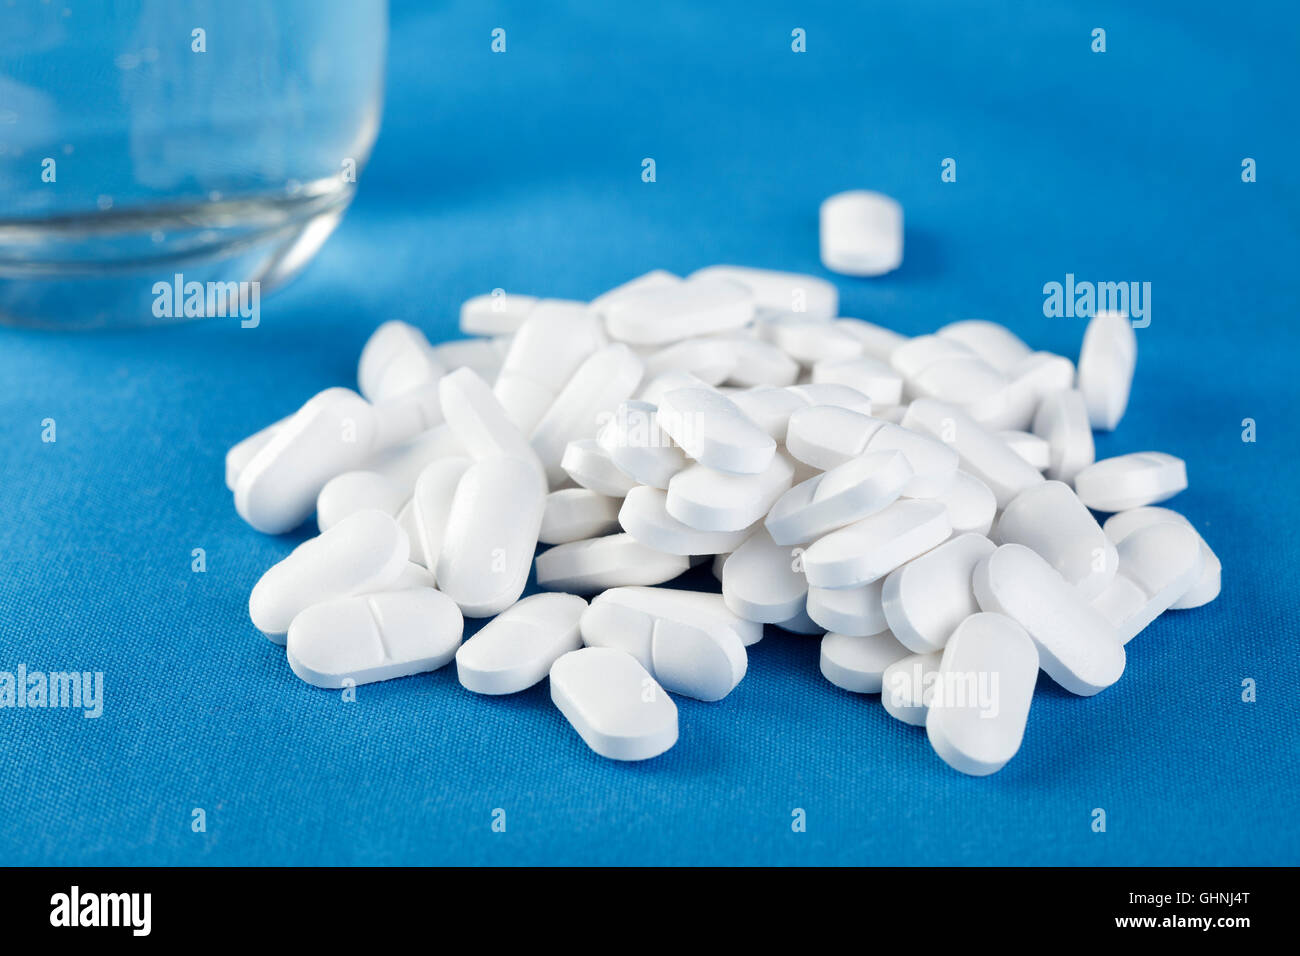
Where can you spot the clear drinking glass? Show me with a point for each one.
(145, 142)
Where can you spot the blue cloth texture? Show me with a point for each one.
(522, 170)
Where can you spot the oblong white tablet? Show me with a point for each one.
(644, 515)
(925, 599)
(242, 452)
(825, 436)
(978, 733)
(401, 464)
(965, 381)
(710, 428)
(871, 548)
(858, 664)
(396, 359)
(1077, 647)
(491, 535)
(1062, 420)
(856, 612)
(710, 359)
(435, 490)
(639, 447)
(780, 291)
(809, 340)
(971, 505)
(1158, 564)
(861, 233)
(1120, 526)
(364, 552)
(655, 278)
(480, 423)
(496, 313)
(516, 649)
(982, 453)
(687, 650)
(912, 357)
(658, 315)
(1050, 519)
(710, 500)
(995, 344)
(616, 560)
(763, 581)
(613, 703)
(591, 466)
(907, 687)
(572, 514)
(758, 362)
(1131, 481)
(479, 355)
(1013, 407)
(846, 493)
(1106, 363)
(374, 637)
(870, 376)
(355, 491)
(557, 337)
(934, 464)
(1032, 448)
(769, 408)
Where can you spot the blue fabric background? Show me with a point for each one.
(523, 171)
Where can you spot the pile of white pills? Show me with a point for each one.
(925, 506)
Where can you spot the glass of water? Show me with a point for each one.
(164, 160)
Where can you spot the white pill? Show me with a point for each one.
(711, 360)
(853, 611)
(491, 535)
(607, 377)
(572, 514)
(1131, 481)
(1158, 564)
(809, 340)
(828, 393)
(431, 502)
(403, 417)
(825, 436)
(769, 408)
(1119, 526)
(613, 703)
(639, 447)
(654, 389)
(545, 353)
(686, 650)
(979, 733)
(965, 381)
(928, 597)
(971, 505)
(912, 357)
(332, 433)
(1013, 407)
(655, 278)
(1050, 519)
(1106, 363)
(355, 491)
(877, 341)
(982, 453)
(242, 452)
(644, 515)
(479, 422)
(780, 291)
(871, 548)
(374, 637)
(412, 576)
(478, 355)
(364, 552)
(1077, 647)
(762, 581)
(516, 649)
(1030, 447)
(401, 464)
(861, 233)
(870, 376)
(711, 500)
(907, 687)
(395, 359)
(616, 560)
(710, 428)
(658, 315)
(592, 467)
(844, 494)
(858, 664)
(499, 313)
(758, 362)
(1062, 420)
(995, 344)
(934, 464)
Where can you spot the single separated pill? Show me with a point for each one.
(1050, 519)
(613, 703)
(978, 733)
(861, 233)
(709, 500)
(780, 291)
(856, 612)
(516, 648)
(657, 315)
(374, 637)
(364, 552)
(491, 534)
(1158, 564)
(907, 687)
(572, 514)
(858, 664)
(710, 428)
(925, 599)
(1130, 481)
(762, 580)
(616, 560)
(644, 515)
(1077, 646)
(688, 650)
(1106, 363)
(871, 548)
(1120, 526)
